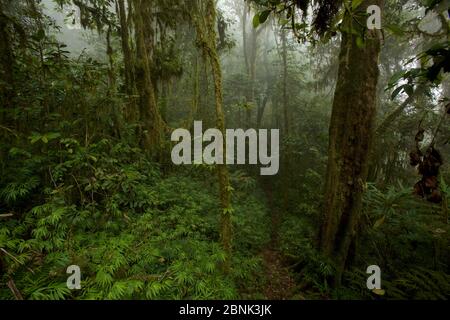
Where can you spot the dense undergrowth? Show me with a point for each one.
(406, 237)
(134, 232)
(78, 190)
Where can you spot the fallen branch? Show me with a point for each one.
(6, 215)
(14, 290)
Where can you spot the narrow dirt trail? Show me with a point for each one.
(280, 282)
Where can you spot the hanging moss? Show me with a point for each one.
(326, 12)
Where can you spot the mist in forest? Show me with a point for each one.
(224, 150)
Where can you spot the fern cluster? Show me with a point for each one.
(134, 233)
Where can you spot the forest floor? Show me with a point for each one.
(280, 283)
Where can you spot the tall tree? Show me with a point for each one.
(153, 125)
(205, 22)
(285, 81)
(6, 62)
(250, 45)
(125, 21)
(350, 136)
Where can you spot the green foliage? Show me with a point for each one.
(408, 239)
(108, 210)
(81, 191)
(260, 18)
(77, 188)
(418, 227)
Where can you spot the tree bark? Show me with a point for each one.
(206, 39)
(6, 67)
(244, 34)
(150, 117)
(261, 108)
(250, 48)
(131, 113)
(350, 137)
(285, 81)
(110, 54)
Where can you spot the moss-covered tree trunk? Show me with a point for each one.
(110, 54)
(150, 117)
(205, 22)
(224, 183)
(350, 135)
(286, 174)
(6, 66)
(285, 83)
(195, 94)
(131, 113)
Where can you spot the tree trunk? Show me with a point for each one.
(206, 34)
(110, 54)
(6, 67)
(196, 94)
(285, 81)
(250, 48)
(350, 136)
(150, 117)
(286, 172)
(244, 34)
(252, 72)
(131, 112)
(261, 108)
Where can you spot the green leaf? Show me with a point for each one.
(283, 22)
(260, 18)
(395, 30)
(228, 211)
(229, 188)
(53, 135)
(35, 138)
(263, 16)
(399, 75)
(256, 22)
(356, 4)
(103, 278)
(396, 92)
(409, 89)
(281, 7)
